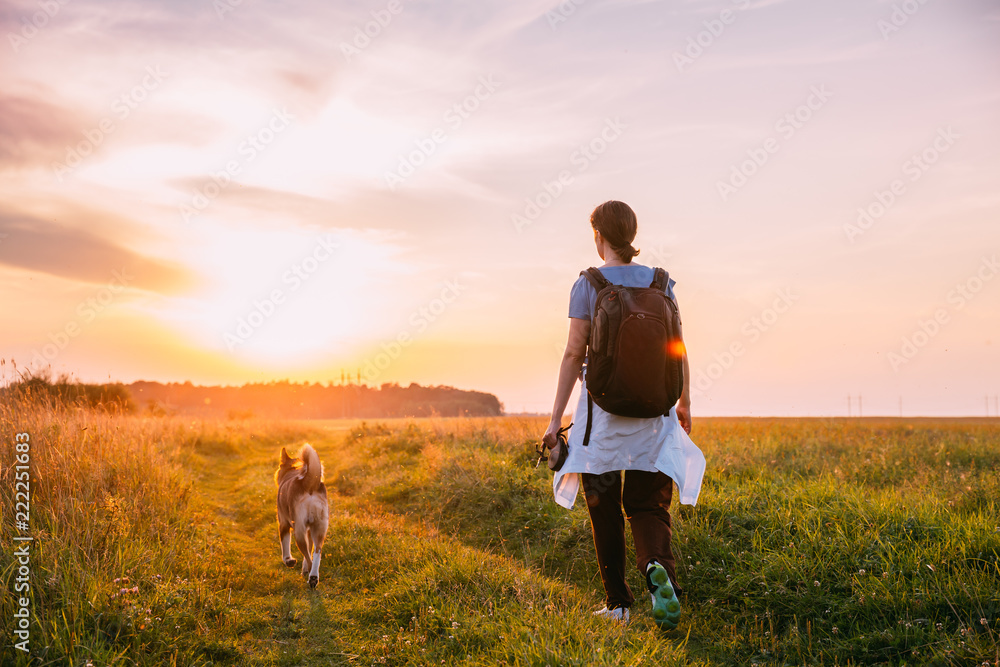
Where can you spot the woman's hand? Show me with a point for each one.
(684, 416)
(551, 434)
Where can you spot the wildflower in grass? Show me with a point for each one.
(983, 621)
(816, 583)
(861, 571)
(835, 630)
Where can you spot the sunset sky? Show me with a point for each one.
(226, 191)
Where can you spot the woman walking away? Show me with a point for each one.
(624, 325)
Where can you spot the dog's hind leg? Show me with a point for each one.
(300, 541)
(318, 535)
(285, 537)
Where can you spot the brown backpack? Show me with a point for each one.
(635, 362)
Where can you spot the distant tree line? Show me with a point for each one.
(272, 399)
(314, 400)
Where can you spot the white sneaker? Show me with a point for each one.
(620, 614)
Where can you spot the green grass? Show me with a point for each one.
(830, 542)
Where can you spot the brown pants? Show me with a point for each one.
(646, 498)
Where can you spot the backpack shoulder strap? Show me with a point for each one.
(590, 418)
(660, 279)
(596, 278)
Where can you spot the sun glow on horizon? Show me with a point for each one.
(286, 296)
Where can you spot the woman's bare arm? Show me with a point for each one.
(569, 372)
(684, 404)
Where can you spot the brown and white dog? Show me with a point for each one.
(302, 505)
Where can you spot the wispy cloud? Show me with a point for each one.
(71, 252)
(33, 132)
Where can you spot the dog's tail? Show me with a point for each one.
(312, 473)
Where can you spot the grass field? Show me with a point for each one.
(832, 542)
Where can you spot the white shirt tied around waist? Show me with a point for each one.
(625, 443)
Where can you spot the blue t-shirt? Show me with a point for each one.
(583, 296)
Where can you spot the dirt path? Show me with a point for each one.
(278, 619)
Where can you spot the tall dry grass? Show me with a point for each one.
(117, 572)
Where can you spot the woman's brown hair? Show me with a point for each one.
(616, 222)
